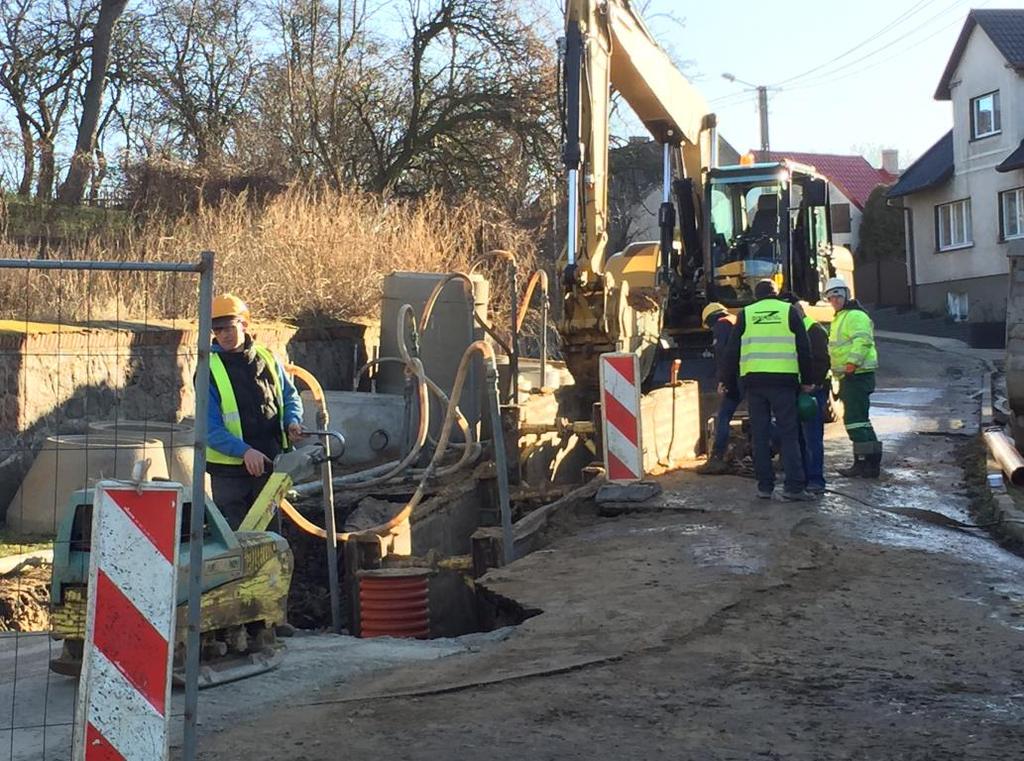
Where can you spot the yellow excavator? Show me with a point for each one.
(736, 224)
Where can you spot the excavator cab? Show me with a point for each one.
(767, 221)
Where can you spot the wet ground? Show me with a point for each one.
(721, 627)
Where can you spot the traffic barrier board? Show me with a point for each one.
(620, 416)
(125, 691)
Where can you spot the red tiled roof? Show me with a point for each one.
(853, 175)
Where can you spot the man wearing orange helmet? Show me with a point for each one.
(255, 412)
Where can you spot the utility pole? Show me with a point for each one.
(762, 106)
(762, 112)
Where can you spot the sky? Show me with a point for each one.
(850, 77)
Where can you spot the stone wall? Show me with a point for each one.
(59, 378)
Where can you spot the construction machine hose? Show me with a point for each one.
(428, 308)
(413, 367)
(487, 352)
(538, 277)
(435, 390)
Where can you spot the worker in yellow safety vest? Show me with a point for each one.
(854, 358)
(255, 413)
(770, 358)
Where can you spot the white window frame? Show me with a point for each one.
(1006, 217)
(955, 231)
(997, 119)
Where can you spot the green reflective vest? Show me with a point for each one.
(229, 404)
(767, 344)
(851, 341)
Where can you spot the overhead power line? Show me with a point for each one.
(831, 78)
(914, 9)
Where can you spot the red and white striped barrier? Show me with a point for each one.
(620, 418)
(124, 695)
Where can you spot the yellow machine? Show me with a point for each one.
(649, 296)
(246, 577)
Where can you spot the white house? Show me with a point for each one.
(964, 197)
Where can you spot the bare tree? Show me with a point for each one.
(201, 67)
(88, 125)
(462, 101)
(41, 55)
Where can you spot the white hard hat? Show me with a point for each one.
(834, 284)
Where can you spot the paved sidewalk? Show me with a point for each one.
(952, 345)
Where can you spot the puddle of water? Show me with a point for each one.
(733, 558)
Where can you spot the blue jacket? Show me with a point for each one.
(218, 436)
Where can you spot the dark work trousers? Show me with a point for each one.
(855, 391)
(763, 402)
(813, 441)
(726, 409)
(234, 495)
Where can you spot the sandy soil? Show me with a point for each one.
(723, 627)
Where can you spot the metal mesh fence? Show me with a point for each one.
(96, 381)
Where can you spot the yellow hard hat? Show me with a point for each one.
(229, 305)
(710, 309)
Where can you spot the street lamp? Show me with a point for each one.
(762, 105)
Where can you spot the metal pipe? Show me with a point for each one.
(322, 419)
(1004, 452)
(544, 341)
(500, 464)
(195, 537)
(513, 357)
(70, 264)
(572, 219)
(666, 173)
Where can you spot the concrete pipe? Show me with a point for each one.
(1005, 453)
(178, 440)
(67, 463)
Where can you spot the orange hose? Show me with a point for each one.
(539, 276)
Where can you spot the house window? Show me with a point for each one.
(985, 119)
(954, 224)
(1011, 214)
(840, 217)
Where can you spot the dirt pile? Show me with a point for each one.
(25, 600)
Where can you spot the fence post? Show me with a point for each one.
(195, 580)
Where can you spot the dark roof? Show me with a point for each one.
(853, 175)
(1005, 27)
(1014, 161)
(933, 167)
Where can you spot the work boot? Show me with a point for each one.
(873, 461)
(715, 466)
(856, 470)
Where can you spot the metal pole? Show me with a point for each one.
(666, 215)
(513, 360)
(330, 528)
(70, 264)
(762, 110)
(572, 216)
(195, 537)
(544, 341)
(500, 464)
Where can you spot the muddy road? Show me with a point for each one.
(724, 627)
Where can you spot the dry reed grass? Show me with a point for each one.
(307, 254)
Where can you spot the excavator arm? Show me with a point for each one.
(608, 47)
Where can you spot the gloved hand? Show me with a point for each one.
(850, 369)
